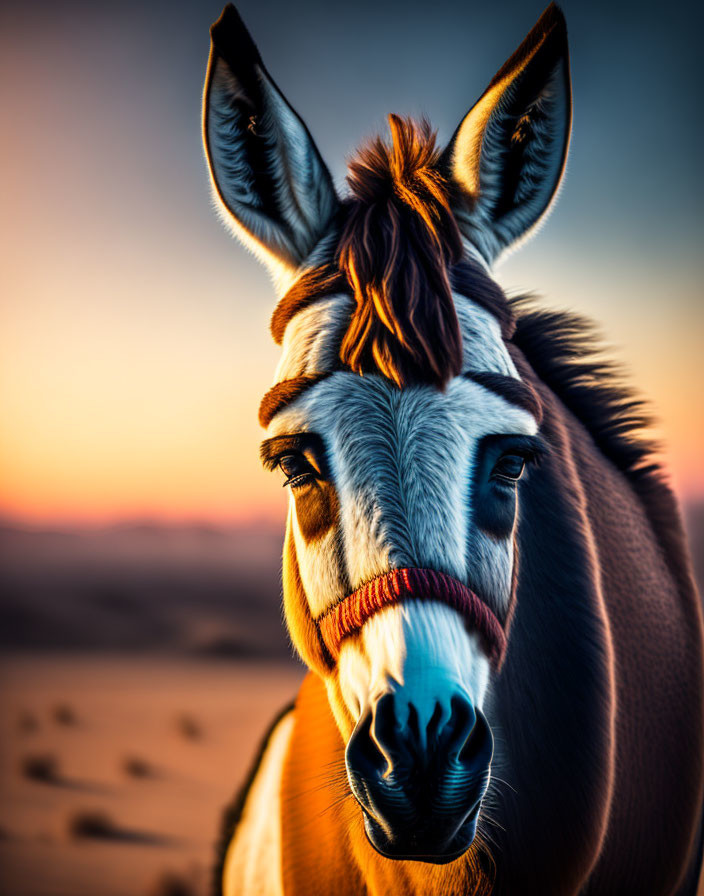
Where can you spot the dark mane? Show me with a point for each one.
(398, 242)
(566, 352)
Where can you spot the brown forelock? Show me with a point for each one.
(398, 241)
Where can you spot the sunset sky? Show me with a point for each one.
(134, 346)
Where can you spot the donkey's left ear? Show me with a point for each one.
(268, 176)
(508, 155)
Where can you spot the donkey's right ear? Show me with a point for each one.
(267, 174)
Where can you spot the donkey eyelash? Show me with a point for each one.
(305, 448)
(531, 454)
(271, 463)
(531, 448)
(297, 469)
(273, 450)
(298, 481)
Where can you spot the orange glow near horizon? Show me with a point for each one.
(124, 409)
(176, 440)
(116, 416)
(134, 345)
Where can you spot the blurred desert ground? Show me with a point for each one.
(140, 666)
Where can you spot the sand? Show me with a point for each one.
(195, 724)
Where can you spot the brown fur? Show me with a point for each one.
(284, 393)
(317, 509)
(314, 284)
(323, 820)
(301, 625)
(397, 244)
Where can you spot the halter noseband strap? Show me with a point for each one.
(348, 616)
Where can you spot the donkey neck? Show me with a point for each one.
(553, 706)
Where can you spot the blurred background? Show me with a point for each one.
(141, 646)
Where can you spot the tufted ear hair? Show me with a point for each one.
(507, 157)
(267, 174)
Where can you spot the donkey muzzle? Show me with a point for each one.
(420, 791)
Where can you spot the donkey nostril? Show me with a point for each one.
(459, 729)
(386, 728)
(434, 727)
(455, 736)
(413, 723)
(478, 748)
(447, 731)
(362, 751)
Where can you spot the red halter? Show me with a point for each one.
(348, 616)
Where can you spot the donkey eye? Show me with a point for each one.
(509, 467)
(296, 469)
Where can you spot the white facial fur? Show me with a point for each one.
(402, 463)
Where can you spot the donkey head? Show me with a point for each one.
(397, 416)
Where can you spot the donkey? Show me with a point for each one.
(484, 569)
